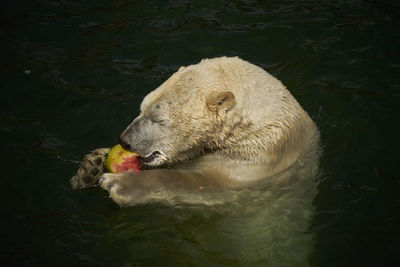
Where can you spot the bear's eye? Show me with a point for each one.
(156, 120)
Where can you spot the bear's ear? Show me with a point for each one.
(221, 101)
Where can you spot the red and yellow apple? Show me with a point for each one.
(122, 160)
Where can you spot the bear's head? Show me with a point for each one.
(182, 118)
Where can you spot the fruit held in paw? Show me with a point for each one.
(122, 160)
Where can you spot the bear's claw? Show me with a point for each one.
(93, 165)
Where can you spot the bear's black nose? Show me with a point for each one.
(124, 144)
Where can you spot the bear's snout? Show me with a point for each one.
(124, 144)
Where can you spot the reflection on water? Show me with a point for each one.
(266, 224)
(73, 75)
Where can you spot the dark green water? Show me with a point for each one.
(73, 74)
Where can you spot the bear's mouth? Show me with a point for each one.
(155, 158)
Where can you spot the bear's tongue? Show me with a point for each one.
(149, 158)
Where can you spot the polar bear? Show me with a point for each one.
(211, 128)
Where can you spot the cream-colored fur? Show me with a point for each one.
(210, 128)
(225, 131)
(260, 131)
